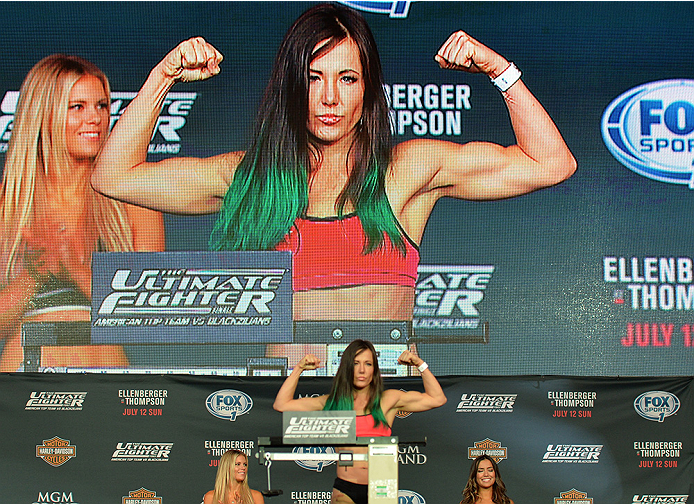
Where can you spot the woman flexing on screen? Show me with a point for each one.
(322, 177)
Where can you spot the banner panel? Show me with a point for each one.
(592, 276)
(555, 439)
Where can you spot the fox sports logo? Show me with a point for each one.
(656, 405)
(410, 497)
(228, 404)
(314, 465)
(649, 129)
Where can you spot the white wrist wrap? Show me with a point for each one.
(423, 367)
(507, 78)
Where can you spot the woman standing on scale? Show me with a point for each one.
(358, 386)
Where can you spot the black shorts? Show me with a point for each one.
(358, 493)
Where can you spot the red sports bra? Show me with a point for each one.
(365, 427)
(327, 254)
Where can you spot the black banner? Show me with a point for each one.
(617, 441)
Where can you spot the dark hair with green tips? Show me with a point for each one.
(341, 393)
(269, 190)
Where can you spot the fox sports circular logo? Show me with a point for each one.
(228, 404)
(314, 465)
(410, 497)
(656, 405)
(650, 130)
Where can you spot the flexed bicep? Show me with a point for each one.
(177, 185)
(482, 170)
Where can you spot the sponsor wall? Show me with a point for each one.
(104, 438)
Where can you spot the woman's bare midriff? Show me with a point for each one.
(359, 472)
(363, 302)
(62, 356)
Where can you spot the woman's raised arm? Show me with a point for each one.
(540, 157)
(426, 169)
(432, 397)
(284, 401)
(176, 185)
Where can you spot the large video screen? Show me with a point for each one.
(513, 262)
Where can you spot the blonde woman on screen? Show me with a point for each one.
(51, 220)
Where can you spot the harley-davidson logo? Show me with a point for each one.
(141, 495)
(573, 496)
(56, 451)
(488, 447)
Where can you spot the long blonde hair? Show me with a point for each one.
(224, 475)
(38, 148)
